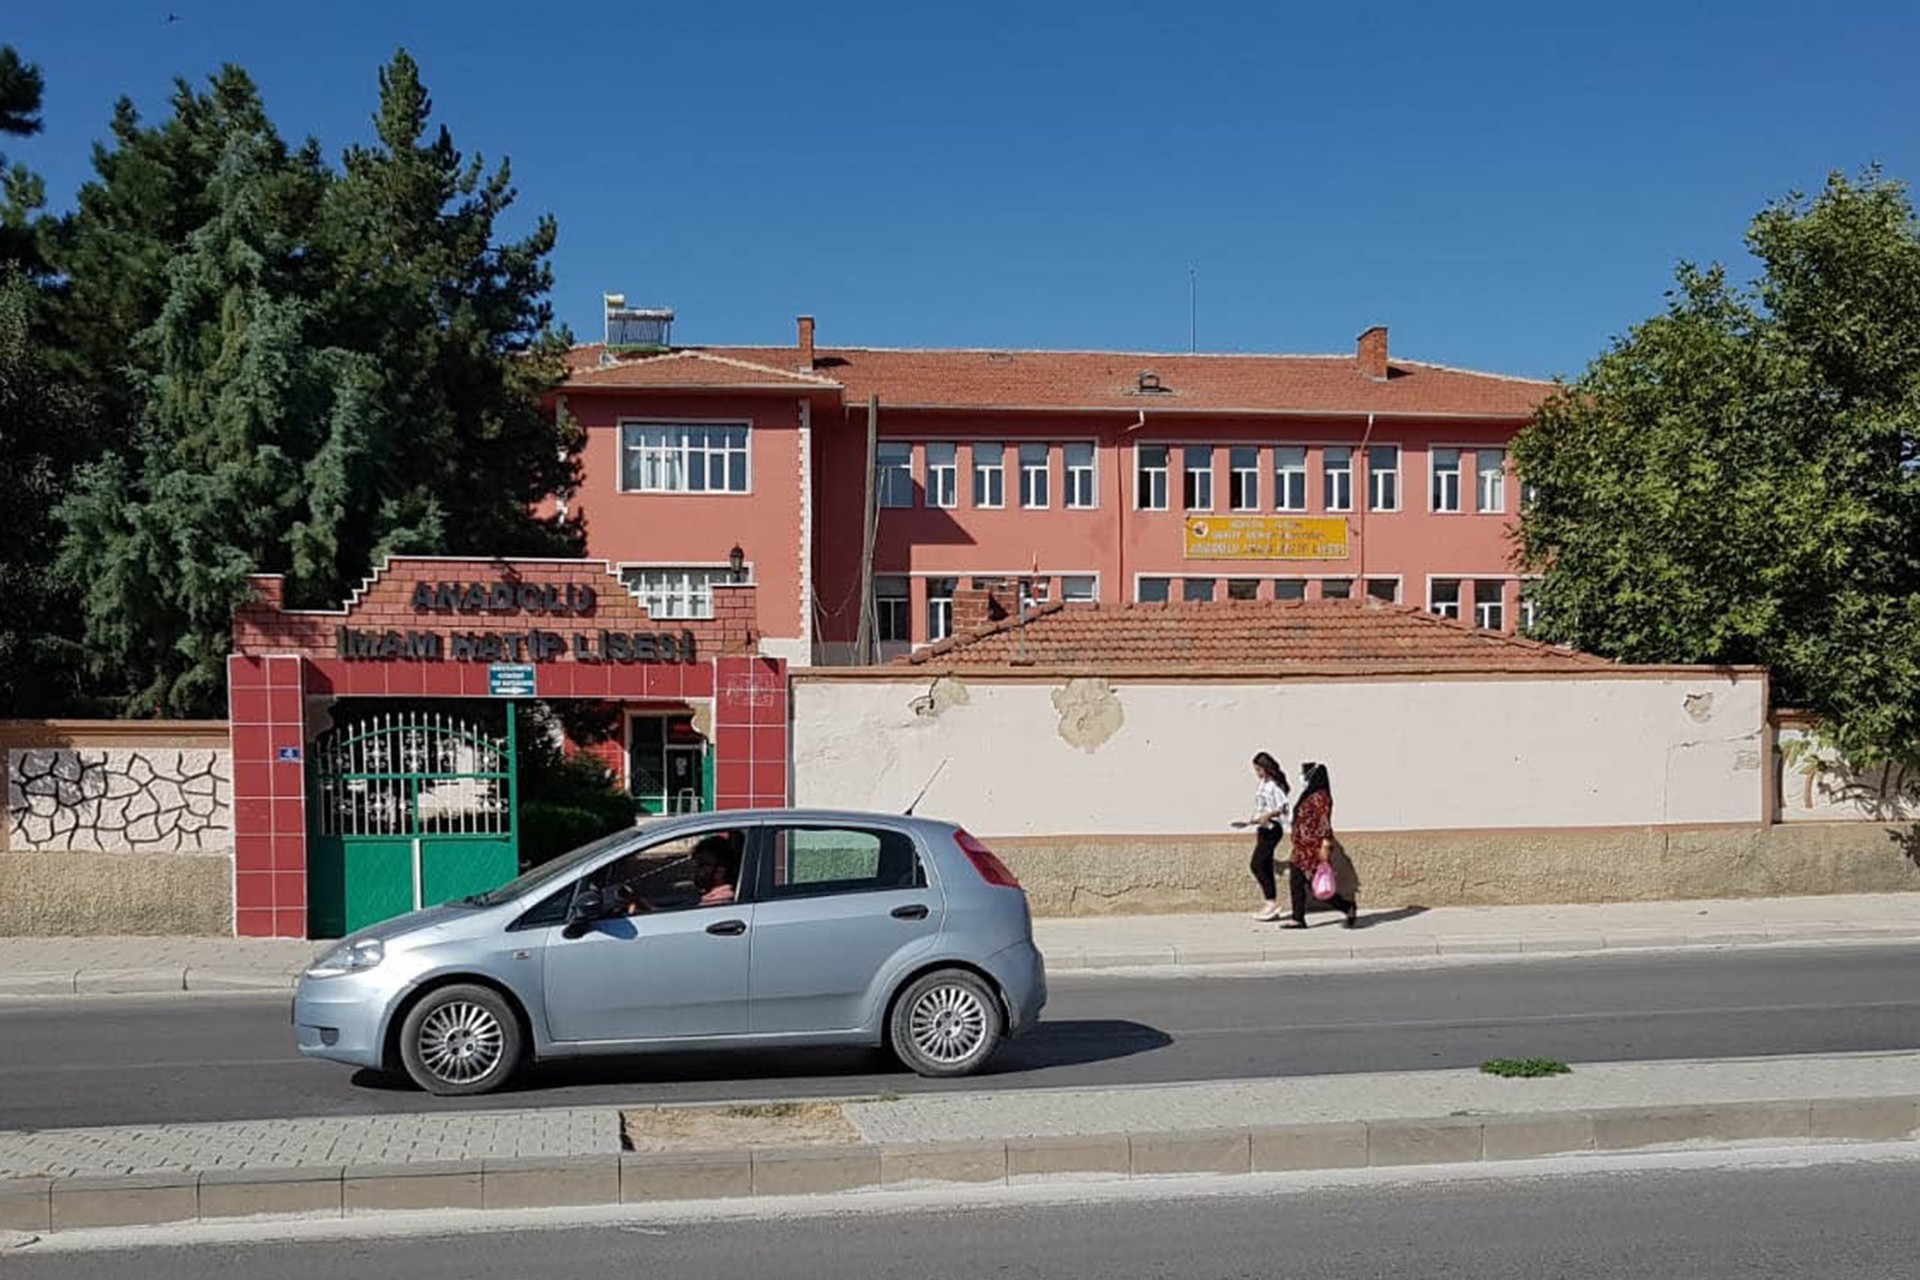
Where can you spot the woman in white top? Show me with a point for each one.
(1269, 822)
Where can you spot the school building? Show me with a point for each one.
(863, 487)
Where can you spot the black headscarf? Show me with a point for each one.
(1313, 778)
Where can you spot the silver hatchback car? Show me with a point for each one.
(749, 929)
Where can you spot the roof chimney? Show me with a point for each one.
(806, 343)
(1373, 353)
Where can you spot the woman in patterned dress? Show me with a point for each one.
(1313, 844)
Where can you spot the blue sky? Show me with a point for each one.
(1506, 185)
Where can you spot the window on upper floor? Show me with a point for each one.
(1445, 494)
(1196, 590)
(1490, 466)
(1490, 605)
(989, 475)
(1151, 490)
(1336, 588)
(1383, 477)
(1081, 484)
(1384, 589)
(1243, 478)
(892, 609)
(675, 592)
(1336, 461)
(1289, 588)
(893, 473)
(1079, 587)
(1197, 488)
(1035, 461)
(1443, 597)
(1243, 588)
(1290, 477)
(667, 457)
(940, 607)
(943, 475)
(1153, 590)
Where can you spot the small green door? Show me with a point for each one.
(408, 810)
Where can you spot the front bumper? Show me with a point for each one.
(342, 1019)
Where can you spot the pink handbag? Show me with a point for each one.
(1324, 885)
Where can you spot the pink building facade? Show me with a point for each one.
(1076, 475)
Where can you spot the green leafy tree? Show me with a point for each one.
(338, 366)
(1738, 481)
(22, 193)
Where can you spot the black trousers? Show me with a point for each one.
(1303, 900)
(1266, 840)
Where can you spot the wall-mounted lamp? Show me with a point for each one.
(737, 564)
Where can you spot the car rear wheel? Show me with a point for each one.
(461, 1040)
(946, 1023)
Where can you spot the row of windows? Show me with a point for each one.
(1446, 597)
(677, 592)
(1034, 475)
(683, 457)
(1251, 484)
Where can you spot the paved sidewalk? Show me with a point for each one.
(436, 1139)
(69, 966)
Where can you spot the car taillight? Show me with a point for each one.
(991, 869)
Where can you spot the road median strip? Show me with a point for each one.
(37, 1204)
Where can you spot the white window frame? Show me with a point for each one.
(1159, 479)
(893, 480)
(1285, 474)
(1498, 607)
(1035, 481)
(1436, 474)
(943, 478)
(691, 591)
(1141, 579)
(996, 469)
(1327, 474)
(684, 451)
(1375, 475)
(939, 608)
(1399, 586)
(898, 606)
(1459, 582)
(1092, 595)
(1190, 473)
(1527, 609)
(1077, 477)
(1246, 478)
(1481, 489)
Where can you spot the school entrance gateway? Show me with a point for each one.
(375, 745)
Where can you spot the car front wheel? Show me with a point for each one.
(946, 1023)
(461, 1040)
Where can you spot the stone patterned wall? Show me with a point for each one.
(119, 800)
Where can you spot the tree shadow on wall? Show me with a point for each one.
(1907, 840)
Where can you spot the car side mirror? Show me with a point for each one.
(589, 907)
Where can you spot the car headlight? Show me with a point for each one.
(348, 957)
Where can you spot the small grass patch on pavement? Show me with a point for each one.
(1524, 1068)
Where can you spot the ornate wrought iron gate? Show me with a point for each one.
(407, 809)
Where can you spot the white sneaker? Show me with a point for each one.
(1268, 913)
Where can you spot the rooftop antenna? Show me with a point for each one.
(1193, 310)
(923, 791)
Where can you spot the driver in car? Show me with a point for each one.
(716, 870)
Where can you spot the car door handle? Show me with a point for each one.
(728, 928)
(915, 912)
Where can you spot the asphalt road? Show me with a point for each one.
(128, 1062)
(1854, 1221)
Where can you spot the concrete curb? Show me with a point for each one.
(41, 1205)
(147, 981)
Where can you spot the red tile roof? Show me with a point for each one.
(684, 369)
(1297, 637)
(1061, 380)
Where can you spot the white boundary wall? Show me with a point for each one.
(1672, 747)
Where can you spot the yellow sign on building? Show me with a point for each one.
(1266, 538)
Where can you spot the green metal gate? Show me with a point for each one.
(407, 810)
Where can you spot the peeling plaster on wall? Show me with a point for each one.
(1699, 707)
(703, 718)
(116, 800)
(1090, 712)
(945, 692)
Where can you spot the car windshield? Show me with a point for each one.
(549, 871)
